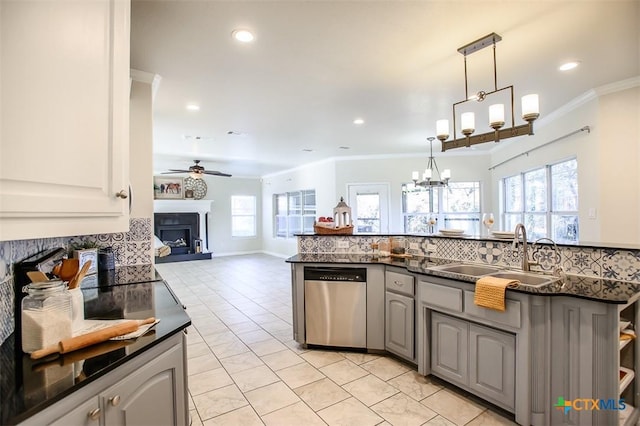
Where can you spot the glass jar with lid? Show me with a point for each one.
(46, 315)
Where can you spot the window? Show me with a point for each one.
(545, 200)
(294, 213)
(455, 206)
(243, 216)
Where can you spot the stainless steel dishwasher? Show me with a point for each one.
(335, 305)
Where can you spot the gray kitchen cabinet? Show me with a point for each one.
(492, 370)
(64, 168)
(146, 396)
(478, 358)
(399, 325)
(399, 317)
(151, 389)
(450, 348)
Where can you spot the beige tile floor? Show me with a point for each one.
(245, 368)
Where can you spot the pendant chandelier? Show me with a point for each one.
(431, 177)
(530, 110)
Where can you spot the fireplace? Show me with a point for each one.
(180, 231)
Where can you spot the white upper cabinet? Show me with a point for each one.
(64, 117)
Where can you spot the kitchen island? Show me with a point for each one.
(141, 381)
(554, 340)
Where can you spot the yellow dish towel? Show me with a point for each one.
(490, 292)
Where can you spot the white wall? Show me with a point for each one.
(220, 190)
(141, 149)
(618, 154)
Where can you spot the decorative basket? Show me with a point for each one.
(324, 230)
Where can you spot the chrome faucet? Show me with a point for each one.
(526, 265)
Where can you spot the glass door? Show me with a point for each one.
(370, 208)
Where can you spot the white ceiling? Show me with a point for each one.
(315, 66)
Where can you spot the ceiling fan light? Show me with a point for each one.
(195, 175)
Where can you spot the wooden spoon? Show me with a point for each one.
(69, 269)
(37, 276)
(75, 281)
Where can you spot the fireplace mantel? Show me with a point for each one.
(202, 207)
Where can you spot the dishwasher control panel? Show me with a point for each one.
(312, 273)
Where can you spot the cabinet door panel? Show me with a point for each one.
(449, 347)
(147, 396)
(492, 366)
(64, 115)
(81, 415)
(399, 325)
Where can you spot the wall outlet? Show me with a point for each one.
(432, 248)
(342, 244)
(593, 213)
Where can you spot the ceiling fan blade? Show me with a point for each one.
(215, 173)
(174, 171)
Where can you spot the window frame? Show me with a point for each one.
(254, 216)
(549, 213)
(302, 214)
(437, 203)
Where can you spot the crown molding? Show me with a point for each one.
(146, 77)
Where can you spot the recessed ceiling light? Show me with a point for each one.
(568, 66)
(344, 147)
(358, 121)
(193, 107)
(307, 149)
(243, 36)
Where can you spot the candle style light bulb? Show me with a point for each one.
(442, 129)
(467, 121)
(496, 116)
(530, 107)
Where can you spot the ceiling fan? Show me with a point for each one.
(197, 171)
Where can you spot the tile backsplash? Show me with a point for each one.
(130, 248)
(609, 263)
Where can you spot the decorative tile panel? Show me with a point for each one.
(489, 253)
(7, 300)
(621, 264)
(582, 261)
(547, 257)
(139, 229)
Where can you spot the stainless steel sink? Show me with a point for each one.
(533, 280)
(466, 269)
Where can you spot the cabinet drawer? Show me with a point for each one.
(510, 317)
(399, 283)
(442, 296)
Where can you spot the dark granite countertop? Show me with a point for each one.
(592, 288)
(22, 389)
